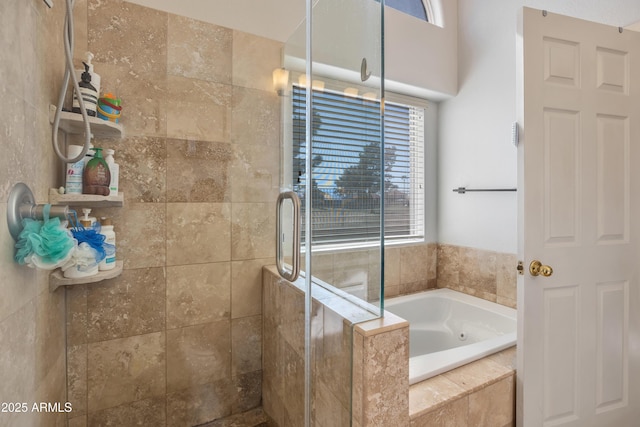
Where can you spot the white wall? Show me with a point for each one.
(475, 127)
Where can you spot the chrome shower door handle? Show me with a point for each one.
(295, 260)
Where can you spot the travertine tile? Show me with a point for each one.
(478, 269)
(452, 414)
(507, 276)
(327, 409)
(351, 269)
(200, 403)
(255, 117)
(116, 38)
(255, 173)
(127, 83)
(199, 50)
(18, 355)
(198, 171)
(198, 355)
(448, 265)
(246, 349)
(291, 318)
(80, 421)
(432, 393)
(198, 233)
(386, 355)
(255, 418)
(143, 170)
(293, 387)
(246, 287)
(357, 391)
(50, 332)
(130, 304)
(13, 164)
(126, 370)
(475, 375)
(198, 293)
(334, 355)
(19, 284)
(140, 233)
(198, 110)
(248, 391)
(323, 266)
(391, 266)
(148, 412)
(253, 230)
(493, 405)
(77, 378)
(254, 59)
(506, 357)
(196, 91)
(414, 268)
(76, 315)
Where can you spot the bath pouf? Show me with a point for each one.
(44, 244)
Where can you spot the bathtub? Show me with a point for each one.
(448, 329)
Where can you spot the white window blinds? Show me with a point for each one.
(347, 172)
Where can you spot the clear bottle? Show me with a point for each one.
(110, 237)
(114, 168)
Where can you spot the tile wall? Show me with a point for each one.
(32, 353)
(176, 339)
(378, 348)
(485, 274)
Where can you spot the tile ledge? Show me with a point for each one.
(466, 391)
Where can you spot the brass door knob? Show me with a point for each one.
(536, 268)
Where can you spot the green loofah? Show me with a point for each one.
(43, 244)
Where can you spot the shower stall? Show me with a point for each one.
(331, 224)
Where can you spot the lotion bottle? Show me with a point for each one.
(106, 230)
(114, 169)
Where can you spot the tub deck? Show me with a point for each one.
(481, 393)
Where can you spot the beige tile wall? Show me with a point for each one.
(32, 353)
(374, 355)
(177, 338)
(485, 274)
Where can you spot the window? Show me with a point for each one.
(416, 8)
(347, 183)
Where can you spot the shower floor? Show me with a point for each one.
(253, 418)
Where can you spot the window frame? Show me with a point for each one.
(287, 172)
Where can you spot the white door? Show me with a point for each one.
(579, 213)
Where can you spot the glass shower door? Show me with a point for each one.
(333, 159)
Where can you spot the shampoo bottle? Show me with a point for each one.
(110, 237)
(114, 169)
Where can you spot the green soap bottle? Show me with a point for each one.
(96, 176)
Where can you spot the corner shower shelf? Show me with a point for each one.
(85, 200)
(57, 279)
(72, 123)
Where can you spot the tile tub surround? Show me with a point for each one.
(409, 268)
(480, 394)
(379, 348)
(176, 340)
(484, 274)
(32, 354)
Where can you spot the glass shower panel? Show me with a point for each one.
(333, 159)
(345, 181)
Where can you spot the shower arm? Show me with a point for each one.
(68, 53)
(22, 205)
